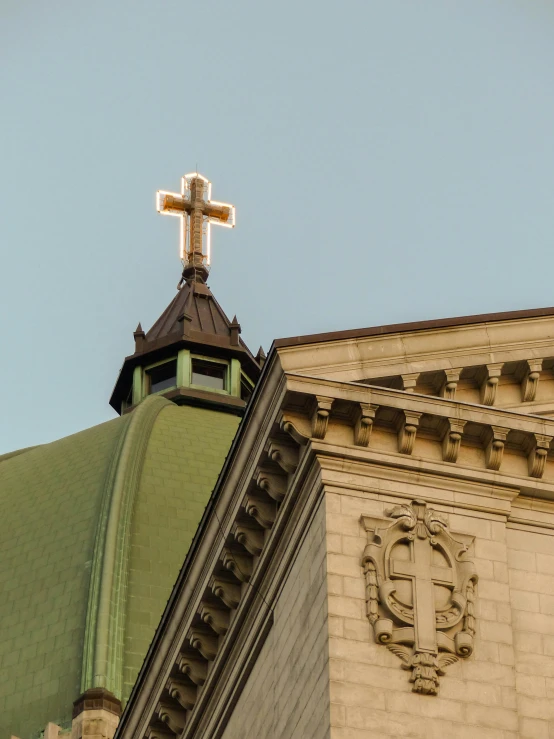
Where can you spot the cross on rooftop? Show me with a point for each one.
(197, 211)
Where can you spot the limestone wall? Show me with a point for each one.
(504, 691)
(287, 693)
(531, 563)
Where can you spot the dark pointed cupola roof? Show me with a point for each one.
(196, 312)
(193, 320)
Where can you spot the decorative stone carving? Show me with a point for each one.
(250, 538)
(530, 381)
(262, 509)
(239, 564)
(452, 439)
(452, 377)
(228, 592)
(490, 383)
(274, 485)
(183, 693)
(173, 718)
(193, 667)
(537, 455)
(215, 618)
(407, 431)
(363, 423)
(294, 432)
(285, 455)
(420, 591)
(320, 418)
(494, 450)
(203, 641)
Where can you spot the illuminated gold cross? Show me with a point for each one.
(197, 211)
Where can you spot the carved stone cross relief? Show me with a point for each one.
(420, 590)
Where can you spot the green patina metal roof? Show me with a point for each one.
(94, 529)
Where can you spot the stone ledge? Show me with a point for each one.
(97, 699)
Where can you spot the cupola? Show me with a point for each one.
(193, 354)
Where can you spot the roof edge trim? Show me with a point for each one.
(393, 328)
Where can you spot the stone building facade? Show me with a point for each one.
(377, 559)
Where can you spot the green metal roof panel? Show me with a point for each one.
(185, 453)
(95, 528)
(50, 498)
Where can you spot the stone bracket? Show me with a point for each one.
(273, 484)
(537, 455)
(530, 381)
(204, 642)
(364, 416)
(489, 384)
(252, 539)
(183, 693)
(320, 416)
(407, 431)
(285, 455)
(290, 427)
(216, 618)
(494, 449)
(194, 668)
(239, 564)
(452, 439)
(409, 381)
(172, 717)
(452, 377)
(261, 509)
(227, 591)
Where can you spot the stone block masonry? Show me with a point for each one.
(503, 691)
(287, 693)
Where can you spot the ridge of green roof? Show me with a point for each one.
(103, 650)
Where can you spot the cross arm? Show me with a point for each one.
(221, 213)
(436, 573)
(171, 203)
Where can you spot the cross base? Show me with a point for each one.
(197, 273)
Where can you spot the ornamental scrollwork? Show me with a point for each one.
(420, 591)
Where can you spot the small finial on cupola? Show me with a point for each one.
(235, 331)
(140, 337)
(260, 357)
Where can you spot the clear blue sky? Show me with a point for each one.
(389, 161)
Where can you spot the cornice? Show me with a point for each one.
(407, 348)
(441, 422)
(400, 399)
(413, 326)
